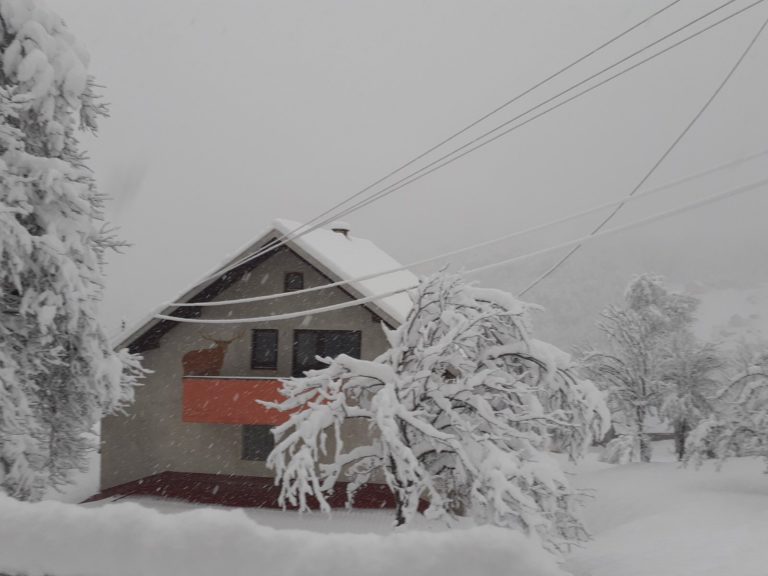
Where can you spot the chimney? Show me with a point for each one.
(341, 228)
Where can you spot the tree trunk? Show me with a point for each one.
(643, 439)
(397, 493)
(399, 514)
(681, 435)
(645, 447)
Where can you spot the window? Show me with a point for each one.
(264, 349)
(310, 343)
(293, 281)
(258, 442)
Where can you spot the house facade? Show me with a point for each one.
(196, 430)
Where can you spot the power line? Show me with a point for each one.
(295, 233)
(483, 244)
(658, 163)
(637, 223)
(491, 113)
(450, 158)
(588, 238)
(441, 162)
(400, 184)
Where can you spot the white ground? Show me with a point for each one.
(659, 519)
(654, 519)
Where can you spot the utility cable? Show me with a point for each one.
(483, 244)
(489, 114)
(298, 230)
(588, 238)
(446, 159)
(450, 158)
(663, 157)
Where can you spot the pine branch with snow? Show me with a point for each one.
(58, 374)
(459, 413)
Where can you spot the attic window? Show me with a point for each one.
(293, 281)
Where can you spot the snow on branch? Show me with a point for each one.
(58, 373)
(459, 415)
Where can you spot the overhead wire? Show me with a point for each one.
(709, 27)
(483, 244)
(449, 158)
(587, 238)
(496, 110)
(299, 231)
(661, 159)
(635, 224)
(480, 141)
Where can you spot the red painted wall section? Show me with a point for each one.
(231, 401)
(246, 491)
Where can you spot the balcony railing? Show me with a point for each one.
(231, 400)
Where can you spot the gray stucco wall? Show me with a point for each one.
(151, 437)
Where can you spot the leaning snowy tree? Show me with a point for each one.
(459, 413)
(628, 367)
(58, 374)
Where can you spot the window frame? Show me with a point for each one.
(295, 372)
(259, 366)
(287, 275)
(258, 453)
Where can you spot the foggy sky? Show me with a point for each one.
(228, 114)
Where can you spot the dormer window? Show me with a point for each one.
(293, 281)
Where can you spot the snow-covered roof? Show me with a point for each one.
(350, 257)
(341, 256)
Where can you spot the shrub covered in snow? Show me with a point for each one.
(58, 374)
(461, 411)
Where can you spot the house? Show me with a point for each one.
(195, 430)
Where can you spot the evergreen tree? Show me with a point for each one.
(58, 373)
(460, 411)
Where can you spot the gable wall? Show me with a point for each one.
(152, 438)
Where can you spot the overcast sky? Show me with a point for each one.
(227, 114)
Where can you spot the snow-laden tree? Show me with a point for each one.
(690, 374)
(739, 425)
(628, 366)
(460, 413)
(58, 374)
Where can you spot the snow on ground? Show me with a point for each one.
(659, 519)
(126, 539)
(654, 519)
(355, 521)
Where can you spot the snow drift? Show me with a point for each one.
(128, 540)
